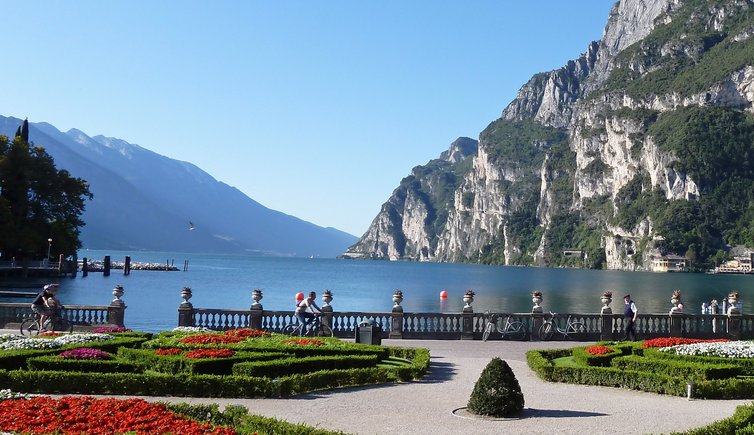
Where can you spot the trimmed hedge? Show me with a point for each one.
(745, 365)
(288, 366)
(680, 369)
(16, 359)
(54, 362)
(581, 356)
(175, 364)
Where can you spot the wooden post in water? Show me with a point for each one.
(85, 268)
(74, 265)
(106, 266)
(127, 265)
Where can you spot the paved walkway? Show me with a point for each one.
(426, 406)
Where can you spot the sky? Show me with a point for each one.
(314, 108)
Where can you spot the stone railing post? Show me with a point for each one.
(734, 325)
(117, 310)
(537, 314)
(186, 309)
(676, 324)
(256, 309)
(606, 324)
(327, 311)
(467, 323)
(396, 318)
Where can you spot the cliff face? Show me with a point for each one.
(587, 159)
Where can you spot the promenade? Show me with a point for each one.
(426, 406)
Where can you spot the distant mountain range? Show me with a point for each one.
(145, 201)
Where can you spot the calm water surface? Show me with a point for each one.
(152, 297)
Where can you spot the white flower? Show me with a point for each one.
(726, 349)
(21, 343)
(191, 329)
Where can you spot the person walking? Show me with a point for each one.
(629, 314)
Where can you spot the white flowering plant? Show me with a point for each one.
(191, 329)
(728, 349)
(21, 343)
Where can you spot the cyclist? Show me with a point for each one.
(45, 304)
(304, 317)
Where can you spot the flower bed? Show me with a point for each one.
(674, 341)
(85, 353)
(599, 350)
(247, 333)
(209, 353)
(20, 343)
(168, 351)
(108, 329)
(729, 349)
(77, 414)
(211, 339)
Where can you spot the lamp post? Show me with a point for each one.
(49, 246)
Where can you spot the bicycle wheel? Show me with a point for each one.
(488, 331)
(324, 331)
(291, 329)
(515, 331)
(546, 331)
(575, 328)
(29, 327)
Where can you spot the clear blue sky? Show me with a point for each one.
(313, 108)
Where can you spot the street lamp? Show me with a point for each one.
(49, 246)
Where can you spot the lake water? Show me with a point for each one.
(218, 281)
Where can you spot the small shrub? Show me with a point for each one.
(496, 392)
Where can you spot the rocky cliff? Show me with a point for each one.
(627, 153)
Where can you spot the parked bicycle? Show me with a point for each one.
(549, 327)
(316, 329)
(54, 323)
(512, 329)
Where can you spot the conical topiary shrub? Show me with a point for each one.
(496, 392)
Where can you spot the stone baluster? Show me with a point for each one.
(186, 309)
(116, 310)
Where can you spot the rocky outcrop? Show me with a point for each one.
(572, 154)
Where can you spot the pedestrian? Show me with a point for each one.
(629, 314)
(705, 308)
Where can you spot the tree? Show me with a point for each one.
(37, 201)
(496, 392)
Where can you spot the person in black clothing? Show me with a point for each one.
(629, 314)
(44, 304)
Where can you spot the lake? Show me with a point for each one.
(226, 281)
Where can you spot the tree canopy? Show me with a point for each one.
(37, 202)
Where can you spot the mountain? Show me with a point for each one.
(641, 147)
(145, 201)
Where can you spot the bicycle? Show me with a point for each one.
(316, 329)
(549, 327)
(511, 328)
(54, 323)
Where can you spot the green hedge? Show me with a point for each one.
(742, 422)
(174, 364)
(16, 359)
(745, 365)
(680, 369)
(581, 356)
(289, 366)
(54, 362)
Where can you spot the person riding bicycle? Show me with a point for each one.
(304, 317)
(45, 303)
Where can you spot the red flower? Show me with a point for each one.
(305, 342)
(211, 339)
(674, 341)
(81, 414)
(108, 329)
(247, 333)
(50, 334)
(599, 350)
(169, 351)
(209, 353)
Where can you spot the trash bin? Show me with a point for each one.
(369, 332)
